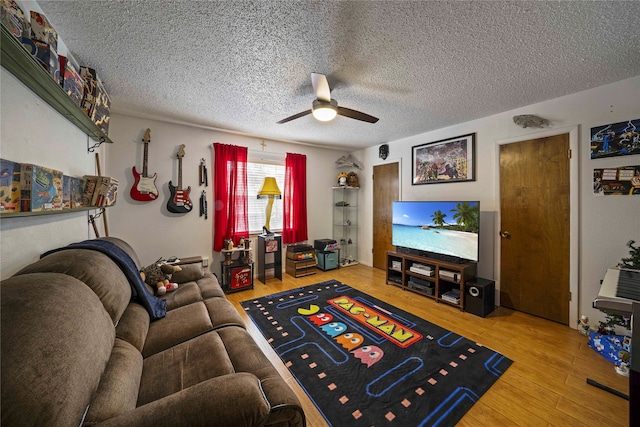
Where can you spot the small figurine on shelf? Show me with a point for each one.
(247, 252)
(583, 325)
(342, 179)
(352, 180)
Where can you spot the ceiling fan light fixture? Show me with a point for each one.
(324, 111)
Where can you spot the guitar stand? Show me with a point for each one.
(203, 205)
(204, 177)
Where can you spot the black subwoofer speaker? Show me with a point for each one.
(480, 298)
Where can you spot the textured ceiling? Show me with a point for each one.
(416, 65)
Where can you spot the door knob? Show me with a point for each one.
(505, 234)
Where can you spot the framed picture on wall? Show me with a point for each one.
(624, 180)
(447, 160)
(615, 139)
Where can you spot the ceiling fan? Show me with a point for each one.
(324, 108)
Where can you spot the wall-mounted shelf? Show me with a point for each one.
(5, 215)
(26, 68)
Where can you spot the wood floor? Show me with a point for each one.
(545, 385)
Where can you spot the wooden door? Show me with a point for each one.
(385, 191)
(534, 229)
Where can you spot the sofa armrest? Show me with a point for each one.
(232, 400)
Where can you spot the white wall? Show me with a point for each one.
(33, 132)
(151, 229)
(606, 224)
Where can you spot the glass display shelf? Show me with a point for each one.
(345, 223)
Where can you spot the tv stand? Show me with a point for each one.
(441, 280)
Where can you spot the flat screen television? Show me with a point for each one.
(443, 230)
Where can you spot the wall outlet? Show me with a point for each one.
(205, 261)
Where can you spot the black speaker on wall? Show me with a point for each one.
(480, 298)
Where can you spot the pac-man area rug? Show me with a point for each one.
(364, 362)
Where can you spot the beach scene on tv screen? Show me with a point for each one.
(449, 228)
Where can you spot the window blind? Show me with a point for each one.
(256, 172)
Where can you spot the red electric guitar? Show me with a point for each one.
(179, 201)
(144, 188)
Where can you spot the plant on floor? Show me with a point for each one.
(634, 259)
(610, 321)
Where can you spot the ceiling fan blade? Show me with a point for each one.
(295, 116)
(353, 114)
(321, 87)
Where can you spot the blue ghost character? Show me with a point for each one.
(334, 329)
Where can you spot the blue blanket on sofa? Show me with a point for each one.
(156, 307)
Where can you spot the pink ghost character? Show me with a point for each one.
(369, 354)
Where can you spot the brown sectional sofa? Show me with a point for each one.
(77, 350)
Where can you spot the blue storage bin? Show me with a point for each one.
(327, 260)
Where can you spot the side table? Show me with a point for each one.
(269, 244)
(237, 273)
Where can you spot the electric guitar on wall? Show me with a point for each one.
(144, 188)
(179, 201)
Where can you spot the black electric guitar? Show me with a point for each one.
(144, 188)
(179, 201)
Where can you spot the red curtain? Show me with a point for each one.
(230, 219)
(294, 228)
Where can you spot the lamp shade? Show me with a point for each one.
(269, 187)
(324, 111)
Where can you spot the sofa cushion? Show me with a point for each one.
(182, 366)
(125, 247)
(187, 293)
(134, 326)
(56, 342)
(223, 313)
(95, 269)
(118, 389)
(189, 273)
(246, 356)
(209, 286)
(179, 325)
(230, 400)
(156, 308)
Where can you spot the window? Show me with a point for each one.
(256, 172)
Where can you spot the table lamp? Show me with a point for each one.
(269, 190)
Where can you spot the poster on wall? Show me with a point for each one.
(616, 139)
(617, 181)
(447, 160)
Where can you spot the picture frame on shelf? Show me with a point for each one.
(271, 245)
(446, 160)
